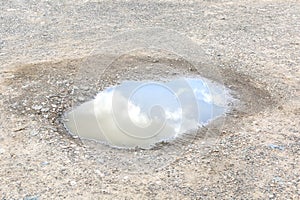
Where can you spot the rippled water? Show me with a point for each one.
(140, 114)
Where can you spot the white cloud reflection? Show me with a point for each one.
(123, 116)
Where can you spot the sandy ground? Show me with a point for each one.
(47, 49)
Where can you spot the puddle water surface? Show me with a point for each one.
(143, 113)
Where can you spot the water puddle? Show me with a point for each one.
(143, 113)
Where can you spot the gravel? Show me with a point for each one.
(255, 44)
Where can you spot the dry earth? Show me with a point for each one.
(254, 45)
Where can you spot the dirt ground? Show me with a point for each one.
(54, 55)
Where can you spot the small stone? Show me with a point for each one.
(45, 163)
(73, 183)
(100, 161)
(274, 146)
(81, 98)
(45, 109)
(37, 107)
(75, 87)
(85, 88)
(34, 133)
(2, 151)
(97, 171)
(31, 198)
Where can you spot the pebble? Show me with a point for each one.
(81, 98)
(100, 161)
(45, 163)
(102, 175)
(45, 109)
(34, 133)
(274, 146)
(73, 183)
(2, 151)
(85, 88)
(37, 107)
(45, 116)
(31, 198)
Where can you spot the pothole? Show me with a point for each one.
(44, 92)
